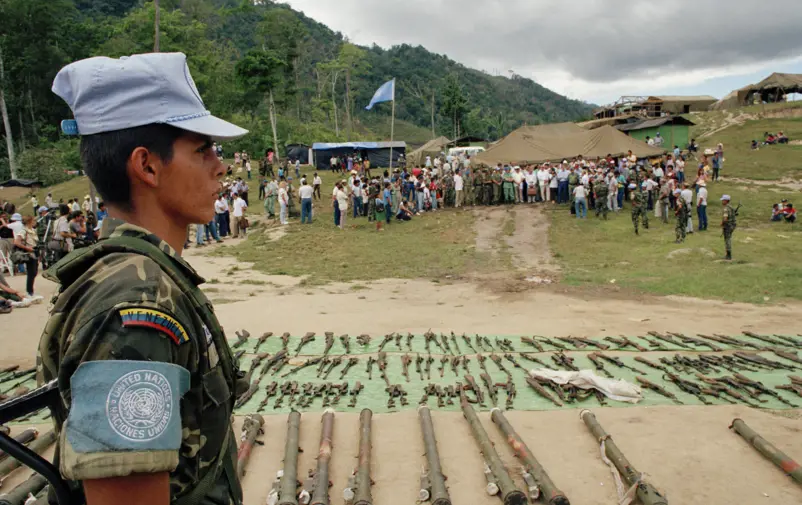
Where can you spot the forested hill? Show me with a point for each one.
(287, 77)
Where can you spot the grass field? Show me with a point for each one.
(768, 256)
(431, 246)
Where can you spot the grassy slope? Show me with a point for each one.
(766, 163)
(77, 187)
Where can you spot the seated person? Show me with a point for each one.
(404, 214)
(755, 145)
(776, 213)
(781, 138)
(789, 213)
(693, 146)
(770, 139)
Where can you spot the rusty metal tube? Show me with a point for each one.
(510, 495)
(19, 494)
(647, 494)
(251, 428)
(288, 487)
(320, 496)
(436, 479)
(767, 449)
(38, 446)
(549, 492)
(362, 494)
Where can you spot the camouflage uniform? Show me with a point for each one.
(497, 180)
(508, 187)
(373, 193)
(479, 188)
(728, 224)
(470, 196)
(449, 193)
(682, 214)
(639, 209)
(600, 193)
(91, 323)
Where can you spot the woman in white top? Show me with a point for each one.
(284, 201)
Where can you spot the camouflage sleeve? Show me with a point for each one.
(124, 417)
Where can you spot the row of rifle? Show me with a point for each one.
(450, 344)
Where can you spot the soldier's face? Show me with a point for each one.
(192, 178)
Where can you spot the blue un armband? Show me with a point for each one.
(126, 406)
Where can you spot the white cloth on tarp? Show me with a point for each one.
(614, 389)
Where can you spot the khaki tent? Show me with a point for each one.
(525, 145)
(432, 148)
(773, 88)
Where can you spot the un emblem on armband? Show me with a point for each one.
(140, 405)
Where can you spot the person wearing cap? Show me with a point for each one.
(141, 360)
(682, 212)
(728, 224)
(600, 192)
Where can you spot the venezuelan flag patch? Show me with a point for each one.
(149, 318)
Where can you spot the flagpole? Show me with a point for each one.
(392, 128)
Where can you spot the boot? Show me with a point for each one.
(728, 257)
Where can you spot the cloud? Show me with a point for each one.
(581, 47)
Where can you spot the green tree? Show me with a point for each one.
(455, 102)
(352, 59)
(260, 72)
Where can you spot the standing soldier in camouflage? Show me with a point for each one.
(497, 181)
(600, 196)
(639, 207)
(147, 380)
(489, 185)
(479, 187)
(449, 193)
(728, 224)
(682, 212)
(573, 182)
(470, 196)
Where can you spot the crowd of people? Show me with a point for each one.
(42, 237)
(770, 139)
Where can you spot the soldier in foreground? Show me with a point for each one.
(727, 225)
(147, 379)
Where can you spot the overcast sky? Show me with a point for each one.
(593, 50)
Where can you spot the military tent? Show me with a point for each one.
(298, 152)
(771, 89)
(538, 145)
(432, 148)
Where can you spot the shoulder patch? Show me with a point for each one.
(157, 320)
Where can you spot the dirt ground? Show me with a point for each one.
(687, 452)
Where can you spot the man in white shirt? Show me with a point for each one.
(49, 201)
(543, 179)
(580, 202)
(239, 215)
(701, 206)
(221, 215)
(459, 186)
(305, 193)
(687, 195)
(658, 172)
(518, 181)
(428, 162)
(75, 207)
(650, 141)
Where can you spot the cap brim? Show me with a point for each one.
(211, 126)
